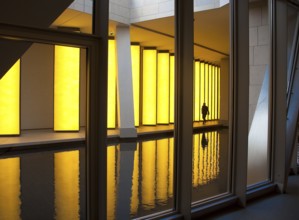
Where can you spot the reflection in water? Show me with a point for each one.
(111, 182)
(10, 189)
(66, 169)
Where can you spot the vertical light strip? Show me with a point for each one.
(213, 92)
(148, 174)
(162, 171)
(171, 167)
(135, 183)
(112, 68)
(10, 101)
(216, 93)
(171, 88)
(196, 96)
(135, 52)
(163, 88)
(149, 87)
(219, 87)
(111, 182)
(66, 172)
(10, 189)
(207, 86)
(202, 85)
(210, 92)
(66, 88)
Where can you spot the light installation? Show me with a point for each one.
(112, 68)
(163, 88)
(135, 52)
(202, 86)
(149, 87)
(196, 95)
(66, 88)
(171, 88)
(10, 101)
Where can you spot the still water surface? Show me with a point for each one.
(140, 177)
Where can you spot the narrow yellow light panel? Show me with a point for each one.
(135, 52)
(149, 87)
(216, 94)
(171, 89)
(202, 86)
(163, 88)
(112, 68)
(66, 88)
(10, 189)
(196, 104)
(207, 85)
(219, 88)
(210, 93)
(66, 170)
(10, 101)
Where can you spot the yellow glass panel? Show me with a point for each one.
(112, 68)
(195, 160)
(216, 93)
(10, 101)
(170, 167)
(171, 86)
(219, 87)
(196, 104)
(10, 189)
(148, 174)
(207, 85)
(135, 51)
(210, 92)
(202, 85)
(149, 87)
(135, 183)
(66, 174)
(111, 182)
(162, 171)
(66, 88)
(163, 88)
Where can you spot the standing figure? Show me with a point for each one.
(204, 112)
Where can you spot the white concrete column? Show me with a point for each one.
(125, 83)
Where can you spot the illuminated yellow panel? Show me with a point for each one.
(207, 86)
(216, 93)
(196, 96)
(163, 88)
(219, 87)
(170, 168)
(112, 68)
(10, 189)
(171, 86)
(148, 174)
(149, 87)
(135, 183)
(111, 182)
(10, 101)
(162, 171)
(210, 92)
(135, 52)
(66, 174)
(202, 86)
(66, 88)
(195, 160)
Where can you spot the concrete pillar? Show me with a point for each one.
(224, 91)
(125, 83)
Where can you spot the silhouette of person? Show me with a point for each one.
(204, 140)
(204, 112)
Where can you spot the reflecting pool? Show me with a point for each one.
(51, 184)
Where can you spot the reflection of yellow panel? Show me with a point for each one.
(195, 159)
(162, 170)
(149, 87)
(202, 85)
(171, 86)
(135, 183)
(111, 102)
(111, 182)
(66, 171)
(148, 174)
(66, 88)
(10, 189)
(170, 168)
(201, 164)
(163, 88)
(10, 101)
(135, 51)
(196, 103)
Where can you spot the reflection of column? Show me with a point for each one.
(170, 167)
(195, 159)
(125, 83)
(135, 183)
(111, 182)
(148, 174)
(10, 189)
(66, 171)
(124, 186)
(162, 171)
(37, 178)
